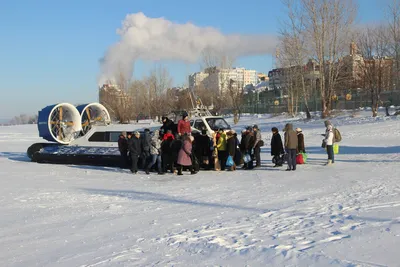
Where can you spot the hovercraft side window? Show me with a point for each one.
(98, 137)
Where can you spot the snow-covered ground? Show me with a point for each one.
(344, 215)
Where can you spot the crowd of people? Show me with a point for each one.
(174, 149)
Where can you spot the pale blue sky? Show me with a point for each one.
(49, 50)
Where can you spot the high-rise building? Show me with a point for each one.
(221, 79)
(196, 79)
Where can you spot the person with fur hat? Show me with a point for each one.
(328, 142)
(300, 138)
(184, 125)
(291, 143)
(185, 155)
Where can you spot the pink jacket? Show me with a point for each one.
(183, 156)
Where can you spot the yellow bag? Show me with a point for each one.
(335, 148)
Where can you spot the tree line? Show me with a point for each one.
(320, 32)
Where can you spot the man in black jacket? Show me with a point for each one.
(135, 150)
(123, 149)
(146, 144)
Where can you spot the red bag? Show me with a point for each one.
(299, 159)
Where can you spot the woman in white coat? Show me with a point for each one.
(329, 141)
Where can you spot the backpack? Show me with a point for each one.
(337, 137)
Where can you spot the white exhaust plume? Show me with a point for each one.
(159, 39)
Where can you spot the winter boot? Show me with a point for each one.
(329, 162)
(180, 171)
(147, 171)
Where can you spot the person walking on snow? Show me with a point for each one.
(328, 142)
(291, 143)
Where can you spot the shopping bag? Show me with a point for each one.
(299, 159)
(305, 156)
(247, 158)
(229, 161)
(335, 148)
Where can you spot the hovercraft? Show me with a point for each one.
(81, 135)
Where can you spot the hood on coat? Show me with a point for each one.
(327, 122)
(329, 127)
(288, 127)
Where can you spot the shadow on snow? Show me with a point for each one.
(149, 196)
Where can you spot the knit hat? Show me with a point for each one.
(123, 133)
(298, 129)
(136, 133)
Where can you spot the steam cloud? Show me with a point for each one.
(159, 39)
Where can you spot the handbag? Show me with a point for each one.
(229, 161)
(260, 143)
(323, 144)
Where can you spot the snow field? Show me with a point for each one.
(343, 215)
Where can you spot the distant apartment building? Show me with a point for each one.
(221, 79)
(197, 78)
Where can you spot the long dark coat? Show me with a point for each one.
(300, 146)
(134, 145)
(277, 145)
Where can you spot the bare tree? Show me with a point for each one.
(376, 67)
(293, 52)
(328, 26)
(157, 83)
(393, 11)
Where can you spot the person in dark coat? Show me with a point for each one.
(277, 149)
(146, 144)
(247, 144)
(231, 148)
(300, 138)
(168, 125)
(202, 148)
(166, 154)
(135, 150)
(123, 149)
(238, 154)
